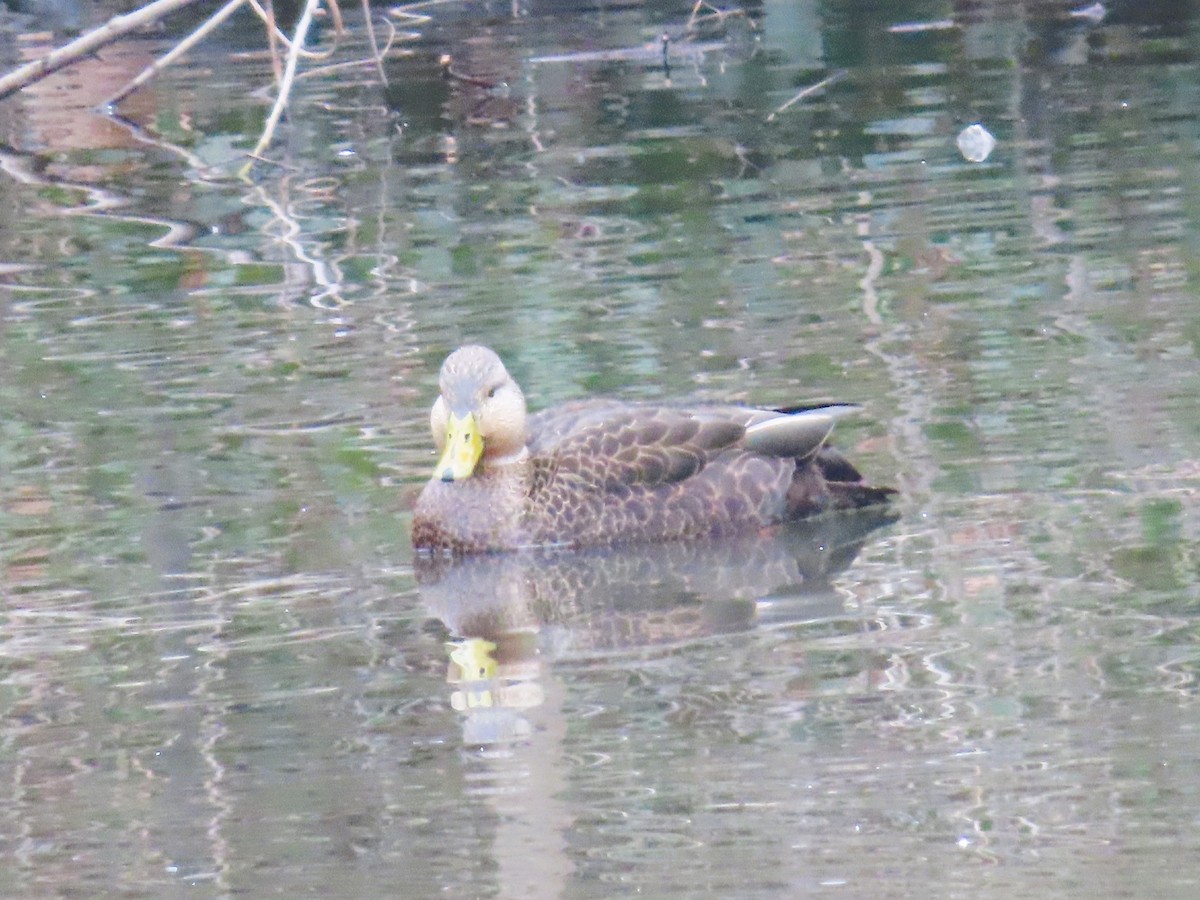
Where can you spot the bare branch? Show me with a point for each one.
(267, 14)
(285, 86)
(177, 51)
(808, 92)
(117, 26)
(366, 4)
(335, 13)
(377, 61)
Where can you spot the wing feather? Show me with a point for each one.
(610, 445)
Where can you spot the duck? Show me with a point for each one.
(603, 471)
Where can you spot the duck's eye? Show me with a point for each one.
(491, 393)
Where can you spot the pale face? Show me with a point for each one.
(479, 415)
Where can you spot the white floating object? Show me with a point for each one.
(1094, 13)
(919, 27)
(976, 143)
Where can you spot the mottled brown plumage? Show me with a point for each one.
(596, 472)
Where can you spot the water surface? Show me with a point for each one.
(220, 671)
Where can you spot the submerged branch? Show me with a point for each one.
(808, 92)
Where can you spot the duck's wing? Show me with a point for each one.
(609, 445)
(604, 444)
(548, 428)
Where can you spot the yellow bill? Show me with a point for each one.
(464, 447)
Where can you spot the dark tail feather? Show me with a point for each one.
(856, 496)
(831, 482)
(835, 467)
(847, 489)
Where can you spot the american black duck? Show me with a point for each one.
(596, 472)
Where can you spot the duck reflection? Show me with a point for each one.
(509, 614)
(518, 618)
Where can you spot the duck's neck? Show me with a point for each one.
(499, 463)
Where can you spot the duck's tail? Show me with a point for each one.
(831, 482)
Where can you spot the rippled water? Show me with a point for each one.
(220, 671)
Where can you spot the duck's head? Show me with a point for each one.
(480, 414)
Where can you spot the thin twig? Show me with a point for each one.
(809, 91)
(691, 22)
(177, 51)
(267, 14)
(716, 13)
(273, 162)
(274, 38)
(406, 10)
(446, 61)
(322, 71)
(366, 4)
(285, 86)
(335, 12)
(93, 40)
